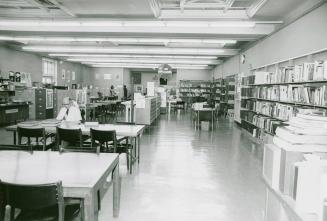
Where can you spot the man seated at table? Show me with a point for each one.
(70, 111)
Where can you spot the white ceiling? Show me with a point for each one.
(143, 27)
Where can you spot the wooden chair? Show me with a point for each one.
(38, 134)
(111, 111)
(106, 140)
(123, 145)
(73, 139)
(43, 202)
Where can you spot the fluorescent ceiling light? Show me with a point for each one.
(131, 56)
(124, 23)
(146, 61)
(132, 65)
(122, 50)
(232, 24)
(117, 40)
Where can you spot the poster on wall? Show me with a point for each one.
(107, 76)
(73, 76)
(63, 74)
(97, 76)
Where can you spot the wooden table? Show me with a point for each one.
(203, 110)
(133, 132)
(169, 104)
(83, 175)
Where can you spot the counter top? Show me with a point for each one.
(13, 104)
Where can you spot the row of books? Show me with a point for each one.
(309, 71)
(248, 104)
(202, 90)
(279, 111)
(248, 80)
(247, 92)
(294, 93)
(268, 124)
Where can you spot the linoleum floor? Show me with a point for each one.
(189, 175)
(192, 175)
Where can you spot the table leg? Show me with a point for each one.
(138, 148)
(198, 121)
(15, 137)
(89, 213)
(135, 149)
(116, 191)
(130, 140)
(169, 107)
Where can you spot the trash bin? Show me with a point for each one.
(205, 125)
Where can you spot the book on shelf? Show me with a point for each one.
(308, 71)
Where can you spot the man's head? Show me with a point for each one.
(66, 101)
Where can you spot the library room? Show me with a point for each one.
(157, 110)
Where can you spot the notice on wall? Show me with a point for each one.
(97, 76)
(107, 76)
(63, 74)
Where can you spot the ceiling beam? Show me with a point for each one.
(259, 29)
(63, 8)
(255, 7)
(203, 14)
(131, 50)
(39, 5)
(155, 7)
(31, 13)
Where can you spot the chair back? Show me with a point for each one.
(32, 197)
(103, 137)
(30, 133)
(72, 136)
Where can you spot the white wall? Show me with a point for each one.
(305, 35)
(12, 60)
(103, 85)
(186, 74)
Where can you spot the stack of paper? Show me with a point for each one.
(50, 123)
(28, 124)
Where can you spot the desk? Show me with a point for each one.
(134, 132)
(82, 174)
(169, 104)
(199, 110)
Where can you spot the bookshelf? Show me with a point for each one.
(272, 94)
(227, 94)
(217, 84)
(188, 89)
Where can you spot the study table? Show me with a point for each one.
(133, 132)
(83, 175)
(202, 111)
